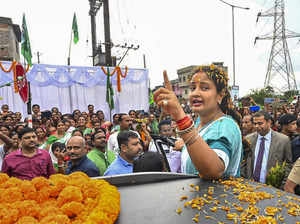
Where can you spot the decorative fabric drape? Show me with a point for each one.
(74, 87)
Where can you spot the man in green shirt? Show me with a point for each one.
(100, 155)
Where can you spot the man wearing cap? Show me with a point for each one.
(293, 178)
(288, 125)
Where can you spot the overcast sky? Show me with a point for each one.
(171, 33)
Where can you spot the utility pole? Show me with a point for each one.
(108, 44)
(94, 7)
(233, 38)
(38, 56)
(280, 73)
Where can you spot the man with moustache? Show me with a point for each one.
(267, 147)
(247, 125)
(100, 155)
(130, 149)
(78, 159)
(125, 122)
(29, 161)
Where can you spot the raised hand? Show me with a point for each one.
(167, 100)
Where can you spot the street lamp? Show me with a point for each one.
(233, 44)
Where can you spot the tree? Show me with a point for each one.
(259, 95)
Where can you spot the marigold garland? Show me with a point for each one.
(13, 67)
(119, 75)
(72, 199)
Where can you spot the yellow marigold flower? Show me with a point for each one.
(231, 216)
(239, 208)
(271, 210)
(27, 220)
(214, 209)
(196, 220)
(179, 211)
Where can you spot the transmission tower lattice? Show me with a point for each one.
(280, 74)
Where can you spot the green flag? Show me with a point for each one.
(75, 29)
(109, 92)
(25, 43)
(151, 98)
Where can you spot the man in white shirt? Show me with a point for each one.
(125, 122)
(173, 154)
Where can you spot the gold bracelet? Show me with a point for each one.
(187, 142)
(192, 141)
(187, 130)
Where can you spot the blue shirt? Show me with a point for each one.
(84, 165)
(263, 171)
(119, 166)
(224, 137)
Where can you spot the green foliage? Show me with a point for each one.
(276, 175)
(259, 95)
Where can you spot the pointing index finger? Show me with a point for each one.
(167, 83)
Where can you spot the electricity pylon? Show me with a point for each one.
(280, 74)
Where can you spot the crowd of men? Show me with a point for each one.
(87, 142)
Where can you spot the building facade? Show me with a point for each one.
(10, 37)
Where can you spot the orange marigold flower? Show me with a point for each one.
(68, 194)
(11, 195)
(72, 209)
(49, 210)
(12, 182)
(27, 220)
(28, 190)
(28, 208)
(40, 182)
(3, 178)
(55, 219)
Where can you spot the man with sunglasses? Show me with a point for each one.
(100, 154)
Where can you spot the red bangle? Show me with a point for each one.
(183, 120)
(185, 125)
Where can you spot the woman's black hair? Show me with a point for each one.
(220, 79)
(60, 145)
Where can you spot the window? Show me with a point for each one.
(183, 78)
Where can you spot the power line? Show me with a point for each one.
(280, 74)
